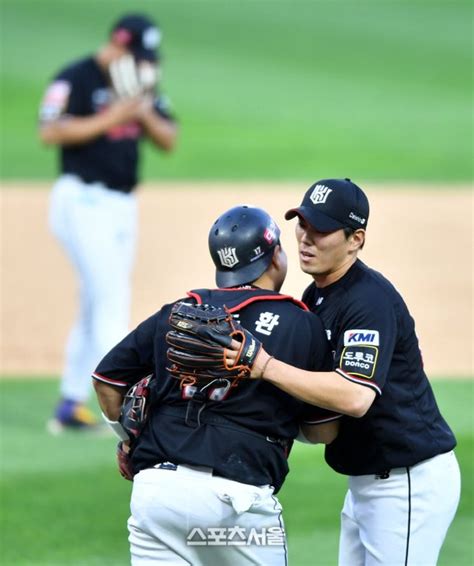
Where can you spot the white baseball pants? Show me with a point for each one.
(187, 516)
(401, 520)
(97, 227)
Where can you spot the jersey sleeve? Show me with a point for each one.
(131, 359)
(313, 415)
(61, 98)
(321, 358)
(367, 340)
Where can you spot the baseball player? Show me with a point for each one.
(210, 459)
(393, 443)
(97, 110)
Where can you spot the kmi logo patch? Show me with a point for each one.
(361, 336)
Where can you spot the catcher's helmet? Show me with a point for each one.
(241, 242)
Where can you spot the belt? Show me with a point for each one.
(185, 468)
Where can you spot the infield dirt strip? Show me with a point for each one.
(420, 238)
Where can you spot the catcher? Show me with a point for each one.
(208, 450)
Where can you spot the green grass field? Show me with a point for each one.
(64, 504)
(268, 89)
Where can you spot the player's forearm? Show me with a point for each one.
(74, 130)
(324, 389)
(110, 399)
(163, 133)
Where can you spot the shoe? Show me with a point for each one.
(73, 415)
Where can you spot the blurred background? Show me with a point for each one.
(270, 95)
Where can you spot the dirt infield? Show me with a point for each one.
(420, 239)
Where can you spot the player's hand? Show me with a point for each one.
(124, 110)
(123, 460)
(259, 365)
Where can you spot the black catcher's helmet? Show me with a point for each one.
(241, 242)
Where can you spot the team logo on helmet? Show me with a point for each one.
(228, 257)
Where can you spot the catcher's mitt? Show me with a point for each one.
(198, 342)
(135, 408)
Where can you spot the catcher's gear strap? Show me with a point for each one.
(252, 296)
(117, 428)
(209, 417)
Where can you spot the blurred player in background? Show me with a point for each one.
(97, 109)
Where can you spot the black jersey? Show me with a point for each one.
(373, 338)
(82, 89)
(242, 432)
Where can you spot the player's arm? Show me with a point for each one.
(362, 359)
(159, 129)
(329, 390)
(158, 122)
(110, 399)
(123, 366)
(72, 130)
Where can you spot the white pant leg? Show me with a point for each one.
(189, 517)
(97, 227)
(403, 520)
(351, 549)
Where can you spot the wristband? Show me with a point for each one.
(266, 364)
(117, 428)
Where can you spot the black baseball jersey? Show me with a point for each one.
(82, 89)
(243, 432)
(373, 337)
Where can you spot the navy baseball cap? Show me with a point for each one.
(139, 35)
(332, 204)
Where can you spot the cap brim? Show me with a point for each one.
(316, 219)
(247, 274)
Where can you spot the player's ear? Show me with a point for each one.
(358, 239)
(279, 260)
(276, 255)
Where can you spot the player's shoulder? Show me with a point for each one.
(368, 286)
(77, 69)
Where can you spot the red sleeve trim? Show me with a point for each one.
(268, 298)
(195, 296)
(110, 381)
(358, 380)
(251, 300)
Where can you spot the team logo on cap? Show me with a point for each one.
(228, 257)
(151, 38)
(320, 194)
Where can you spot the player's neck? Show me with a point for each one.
(265, 281)
(326, 279)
